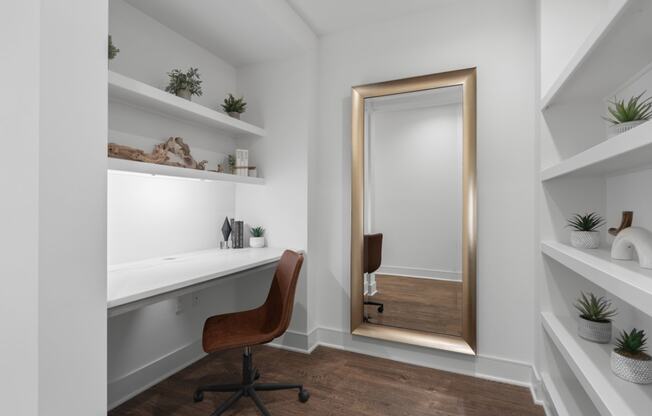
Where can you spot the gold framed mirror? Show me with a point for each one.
(414, 211)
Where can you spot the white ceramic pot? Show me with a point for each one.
(234, 115)
(599, 332)
(256, 242)
(184, 93)
(616, 129)
(585, 239)
(629, 369)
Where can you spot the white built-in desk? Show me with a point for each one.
(137, 284)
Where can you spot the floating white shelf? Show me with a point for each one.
(624, 279)
(590, 362)
(122, 88)
(566, 399)
(623, 152)
(617, 49)
(121, 165)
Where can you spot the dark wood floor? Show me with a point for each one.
(422, 304)
(341, 383)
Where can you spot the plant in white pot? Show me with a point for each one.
(629, 360)
(627, 115)
(184, 84)
(595, 318)
(585, 232)
(234, 106)
(257, 239)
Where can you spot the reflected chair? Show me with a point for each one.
(254, 327)
(373, 253)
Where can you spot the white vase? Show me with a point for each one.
(233, 114)
(629, 369)
(630, 240)
(599, 332)
(256, 242)
(616, 129)
(585, 239)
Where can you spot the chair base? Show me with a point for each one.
(248, 388)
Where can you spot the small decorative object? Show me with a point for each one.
(253, 172)
(629, 360)
(234, 106)
(595, 318)
(173, 152)
(231, 163)
(113, 51)
(625, 222)
(241, 162)
(257, 239)
(585, 230)
(220, 168)
(226, 229)
(237, 238)
(633, 239)
(627, 115)
(184, 84)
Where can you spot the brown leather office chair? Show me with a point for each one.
(254, 327)
(373, 254)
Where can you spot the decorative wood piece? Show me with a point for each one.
(625, 222)
(174, 152)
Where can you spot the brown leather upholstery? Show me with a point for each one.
(373, 252)
(263, 324)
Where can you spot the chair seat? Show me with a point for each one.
(233, 330)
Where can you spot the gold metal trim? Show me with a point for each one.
(466, 344)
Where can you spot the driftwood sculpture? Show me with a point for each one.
(174, 152)
(625, 222)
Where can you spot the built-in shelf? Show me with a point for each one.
(624, 279)
(567, 399)
(590, 362)
(121, 165)
(125, 89)
(616, 50)
(623, 152)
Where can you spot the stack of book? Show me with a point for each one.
(237, 234)
(241, 162)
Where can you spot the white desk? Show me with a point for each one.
(137, 284)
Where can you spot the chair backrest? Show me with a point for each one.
(373, 252)
(280, 300)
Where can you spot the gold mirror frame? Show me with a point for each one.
(466, 344)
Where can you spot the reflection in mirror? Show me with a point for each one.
(413, 207)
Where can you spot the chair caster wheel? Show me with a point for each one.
(381, 309)
(304, 395)
(198, 396)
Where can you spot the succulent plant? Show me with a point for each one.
(188, 80)
(593, 308)
(632, 110)
(234, 105)
(257, 231)
(585, 222)
(632, 344)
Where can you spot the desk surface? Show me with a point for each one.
(131, 282)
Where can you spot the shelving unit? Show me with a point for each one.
(624, 279)
(120, 165)
(563, 397)
(590, 364)
(125, 89)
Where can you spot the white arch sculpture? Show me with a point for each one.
(630, 239)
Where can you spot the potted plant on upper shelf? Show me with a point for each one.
(184, 84)
(595, 318)
(113, 51)
(585, 230)
(234, 106)
(627, 115)
(629, 360)
(257, 239)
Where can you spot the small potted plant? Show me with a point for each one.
(113, 51)
(629, 360)
(234, 106)
(184, 84)
(257, 239)
(627, 115)
(595, 318)
(584, 232)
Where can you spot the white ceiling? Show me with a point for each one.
(328, 16)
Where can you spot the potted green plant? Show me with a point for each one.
(627, 115)
(584, 232)
(234, 106)
(595, 318)
(184, 84)
(113, 51)
(257, 239)
(629, 359)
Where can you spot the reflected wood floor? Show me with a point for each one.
(341, 383)
(422, 304)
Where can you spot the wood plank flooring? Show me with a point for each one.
(341, 383)
(422, 304)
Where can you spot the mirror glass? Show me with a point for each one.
(413, 196)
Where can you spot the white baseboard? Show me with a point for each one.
(420, 273)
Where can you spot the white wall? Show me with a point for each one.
(499, 38)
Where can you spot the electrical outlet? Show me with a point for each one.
(195, 300)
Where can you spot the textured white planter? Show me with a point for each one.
(585, 239)
(629, 369)
(594, 331)
(234, 115)
(616, 129)
(256, 242)
(184, 93)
